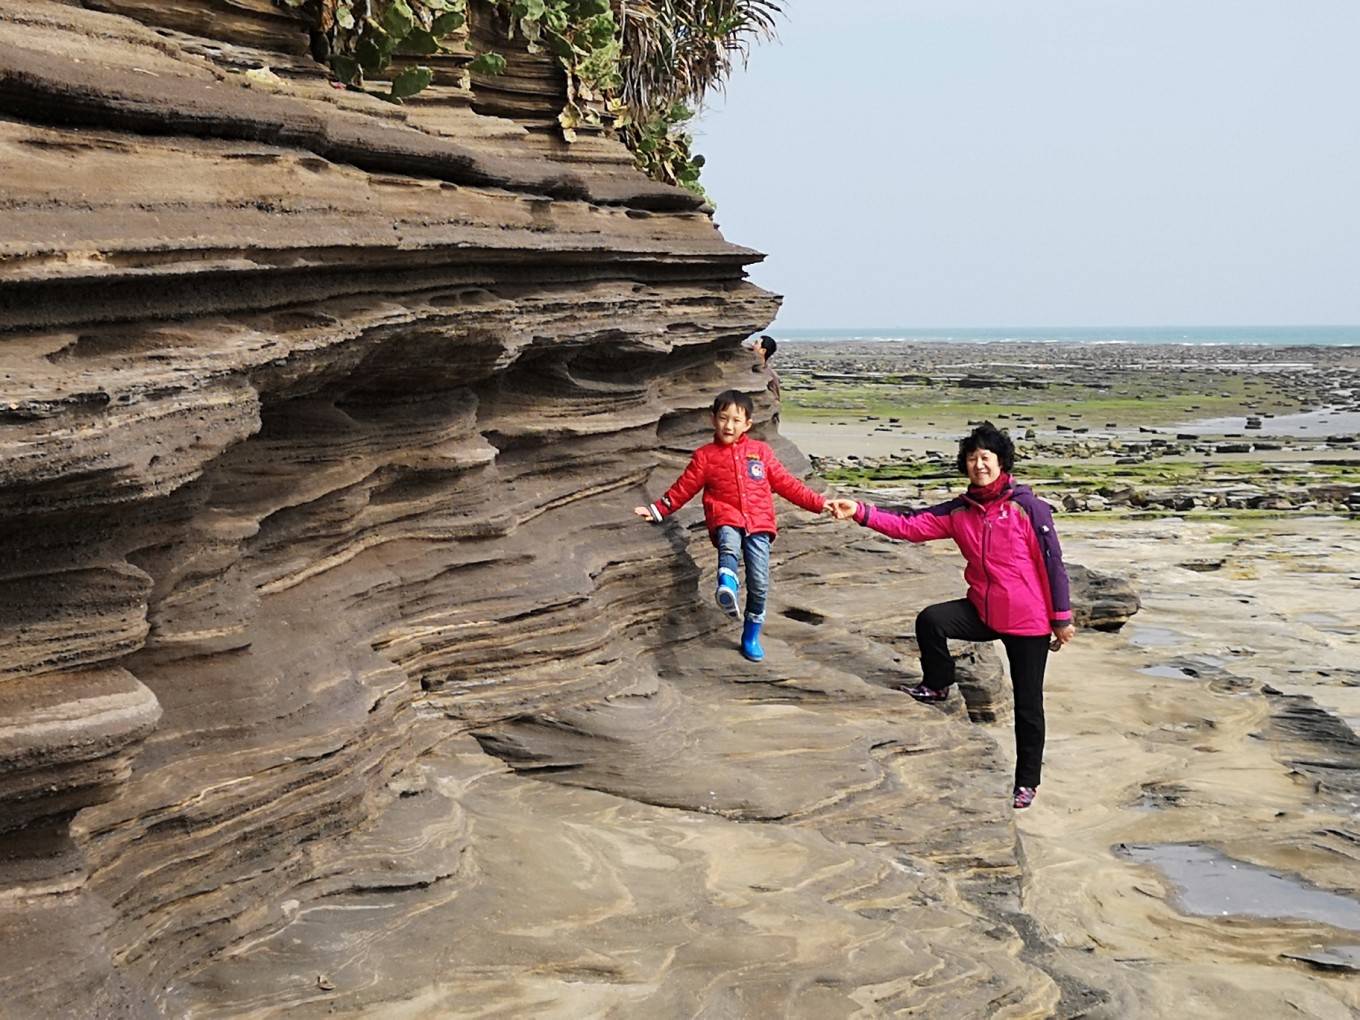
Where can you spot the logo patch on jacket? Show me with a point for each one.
(755, 468)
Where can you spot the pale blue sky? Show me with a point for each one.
(1048, 162)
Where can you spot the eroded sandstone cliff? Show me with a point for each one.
(335, 673)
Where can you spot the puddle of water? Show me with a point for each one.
(1211, 884)
(1167, 672)
(1154, 637)
(1310, 424)
(1196, 667)
(1342, 958)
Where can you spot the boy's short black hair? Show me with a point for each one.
(734, 398)
(987, 437)
(768, 345)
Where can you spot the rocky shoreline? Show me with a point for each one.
(1300, 488)
(1114, 428)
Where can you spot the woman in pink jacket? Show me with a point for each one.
(1017, 585)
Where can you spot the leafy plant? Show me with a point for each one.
(679, 50)
(640, 67)
(643, 66)
(663, 147)
(360, 38)
(675, 53)
(584, 36)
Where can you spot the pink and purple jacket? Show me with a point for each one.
(1014, 567)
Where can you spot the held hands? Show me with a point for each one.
(841, 509)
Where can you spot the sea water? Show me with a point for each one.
(1276, 336)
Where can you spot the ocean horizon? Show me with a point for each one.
(1265, 336)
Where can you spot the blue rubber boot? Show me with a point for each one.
(750, 641)
(726, 595)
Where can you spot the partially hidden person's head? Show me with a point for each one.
(732, 414)
(766, 346)
(985, 453)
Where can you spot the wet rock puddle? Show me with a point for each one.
(1209, 883)
(1155, 637)
(1307, 424)
(1169, 672)
(1202, 667)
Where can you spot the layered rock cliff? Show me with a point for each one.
(334, 671)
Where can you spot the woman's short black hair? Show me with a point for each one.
(987, 437)
(734, 398)
(768, 345)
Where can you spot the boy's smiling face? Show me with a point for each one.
(730, 424)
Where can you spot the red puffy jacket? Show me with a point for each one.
(737, 481)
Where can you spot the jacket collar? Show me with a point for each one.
(1008, 491)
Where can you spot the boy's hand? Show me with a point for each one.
(842, 509)
(642, 511)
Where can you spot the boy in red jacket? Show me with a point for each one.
(738, 476)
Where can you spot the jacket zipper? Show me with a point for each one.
(741, 489)
(986, 598)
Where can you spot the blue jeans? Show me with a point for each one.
(755, 549)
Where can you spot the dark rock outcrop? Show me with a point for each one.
(1316, 743)
(1101, 601)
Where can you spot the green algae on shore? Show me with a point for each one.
(1097, 429)
(1159, 399)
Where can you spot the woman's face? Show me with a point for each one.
(983, 467)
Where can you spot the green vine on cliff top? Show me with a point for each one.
(588, 38)
(664, 149)
(635, 66)
(585, 38)
(358, 39)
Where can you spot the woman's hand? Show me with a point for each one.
(642, 511)
(842, 509)
(1062, 635)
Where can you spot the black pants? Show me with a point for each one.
(1027, 655)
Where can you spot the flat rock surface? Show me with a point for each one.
(1202, 754)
